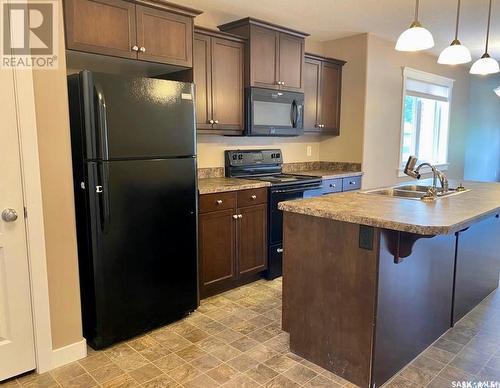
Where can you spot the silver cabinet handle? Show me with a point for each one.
(98, 189)
(216, 121)
(9, 215)
(135, 48)
(352, 182)
(142, 49)
(279, 250)
(240, 215)
(219, 202)
(283, 83)
(235, 216)
(253, 196)
(210, 121)
(333, 185)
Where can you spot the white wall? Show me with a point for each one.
(482, 157)
(384, 106)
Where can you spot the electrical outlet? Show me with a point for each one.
(309, 150)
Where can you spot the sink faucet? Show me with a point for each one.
(410, 170)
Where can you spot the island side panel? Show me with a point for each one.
(477, 265)
(414, 298)
(329, 290)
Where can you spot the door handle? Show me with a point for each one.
(135, 48)
(9, 215)
(235, 216)
(142, 49)
(279, 250)
(253, 196)
(240, 216)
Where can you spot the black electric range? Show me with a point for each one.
(266, 165)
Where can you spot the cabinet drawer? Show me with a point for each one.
(331, 186)
(217, 201)
(252, 197)
(351, 183)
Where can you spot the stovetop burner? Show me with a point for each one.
(263, 165)
(281, 178)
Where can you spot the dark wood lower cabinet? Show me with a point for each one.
(252, 234)
(217, 251)
(232, 240)
(477, 265)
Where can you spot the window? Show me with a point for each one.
(425, 117)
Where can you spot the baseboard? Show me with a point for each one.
(69, 353)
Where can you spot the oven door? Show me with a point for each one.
(275, 237)
(281, 194)
(274, 113)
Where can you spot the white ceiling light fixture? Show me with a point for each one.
(497, 91)
(456, 53)
(415, 38)
(486, 64)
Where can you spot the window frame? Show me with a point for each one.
(422, 76)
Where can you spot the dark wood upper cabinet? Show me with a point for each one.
(147, 30)
(275, 54)
(164, 36)
(322, 95)
(202, 75)
(101, 26)
(218, 76)
(312, 96)
(291, 62)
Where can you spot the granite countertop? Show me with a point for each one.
(443, 216)
(218, 185)
(330, 174)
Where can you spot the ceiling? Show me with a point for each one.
(333, 19)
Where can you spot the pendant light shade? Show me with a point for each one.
(456, 53)
(415, 38)
(497, 91)
(486, 65)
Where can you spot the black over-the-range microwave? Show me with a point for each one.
(273, 112)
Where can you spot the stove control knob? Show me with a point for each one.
(240, 157)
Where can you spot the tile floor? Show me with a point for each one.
(235, 340)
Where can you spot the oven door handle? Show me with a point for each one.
(303, 188)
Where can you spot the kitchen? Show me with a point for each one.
(162, 168)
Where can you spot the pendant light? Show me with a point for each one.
(415, 38)
(497, 91)
(456, 53)
(486, 64)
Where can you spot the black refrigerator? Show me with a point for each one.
(134, 167)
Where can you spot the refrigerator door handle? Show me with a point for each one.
(102, 124)
(103, 194)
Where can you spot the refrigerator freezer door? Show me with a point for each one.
(127, 117)
(144, 255)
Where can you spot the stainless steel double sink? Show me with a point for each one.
(413, 191)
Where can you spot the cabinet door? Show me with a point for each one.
(227, 84)
(101, 26)
(312, 73)
(164, 37)
(330, 98)
(291, 62)
(217, 251)
(252, 236)
(202, 69)
(477, 265)
(263, 57)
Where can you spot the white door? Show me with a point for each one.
(17, 353)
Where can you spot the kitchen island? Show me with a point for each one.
(370, 281)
